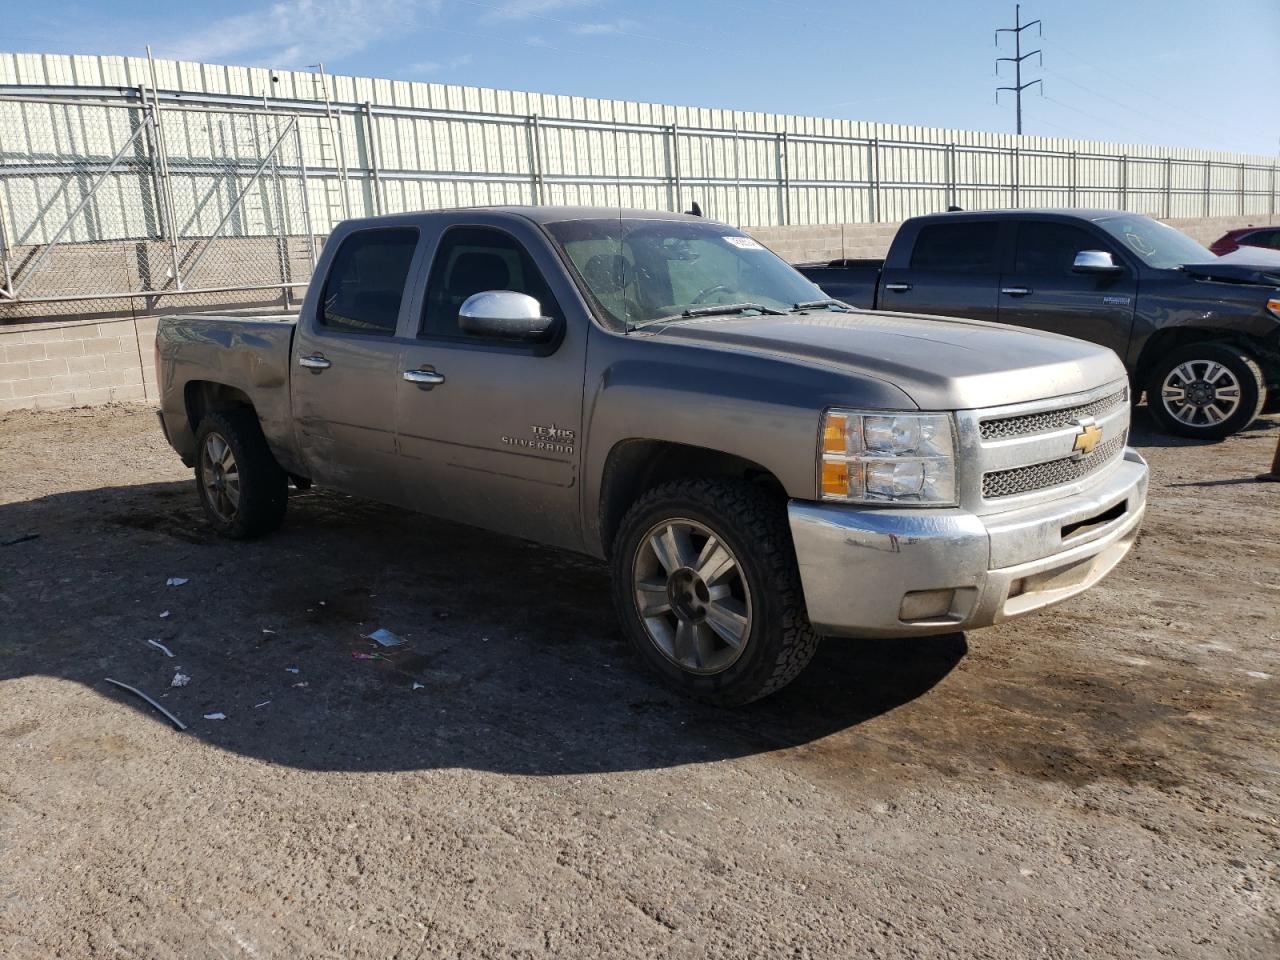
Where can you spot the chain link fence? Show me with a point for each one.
(113, 198)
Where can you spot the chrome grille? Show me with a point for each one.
(1038, 476)
(1048, 420)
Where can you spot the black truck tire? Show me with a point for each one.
(1205, 390)
(243, 490)
(696, 562)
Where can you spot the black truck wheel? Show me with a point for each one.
(706, 585)
(1205, 390)
(242, 489)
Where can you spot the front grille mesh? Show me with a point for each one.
(1038, 476)
(1049, 420)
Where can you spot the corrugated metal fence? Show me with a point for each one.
(120, 176)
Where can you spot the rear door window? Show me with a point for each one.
(962, 247)
(366, 281)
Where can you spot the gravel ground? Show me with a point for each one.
(1100, 780)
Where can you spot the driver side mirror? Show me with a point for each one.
(504, 315)
(1095, 261)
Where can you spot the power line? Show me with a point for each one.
(1017, 58)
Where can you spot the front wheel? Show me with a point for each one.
(242, 489)
(1206, 390)
(706, 585)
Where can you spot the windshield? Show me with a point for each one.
(1158, 244)
(639, 271)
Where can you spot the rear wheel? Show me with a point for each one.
(706, 586)
(242, 489)
(1206, 390)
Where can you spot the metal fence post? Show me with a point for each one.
(873, 182)
(370, 134)
(1072, 176)
(1240, 182)
(1168, 188)
(784, 180)
(1208, 183)
(951, 175)
(535, 160)
(1124, 182)
(306, 195)
(165, 182)
(676, 185)
(1016, 175)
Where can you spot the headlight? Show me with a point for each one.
(904, 458)
(1274, 306)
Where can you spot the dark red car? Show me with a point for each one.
(1268, 237)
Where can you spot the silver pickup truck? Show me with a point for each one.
(760, 465)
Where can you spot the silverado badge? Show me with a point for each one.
(1088, 437)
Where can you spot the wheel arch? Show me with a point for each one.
(635, 466)
(1163, 342)
(201, 397)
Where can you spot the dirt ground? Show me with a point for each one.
(1100, 780)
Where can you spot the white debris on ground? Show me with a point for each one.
(180, 679)
(161, 647)
(176, 581)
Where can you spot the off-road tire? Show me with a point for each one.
(780, 641)
(263, 485)
(1253, 390)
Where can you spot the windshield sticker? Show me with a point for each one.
(744, 243)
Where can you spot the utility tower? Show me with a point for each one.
(1017, 58)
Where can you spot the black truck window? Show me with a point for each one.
(957, 247)
(366, 281)
(1049, 249)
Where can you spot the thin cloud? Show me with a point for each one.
(436, 66)
(292, 33)
(604, 29)
(526, 9)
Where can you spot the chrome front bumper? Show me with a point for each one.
(884, 573)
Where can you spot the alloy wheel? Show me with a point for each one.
(221, 477)
(1200, 393)
(691, 596)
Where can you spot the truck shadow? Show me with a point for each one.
(513, 661)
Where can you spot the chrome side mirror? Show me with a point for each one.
(504, 315)
(1095, 261)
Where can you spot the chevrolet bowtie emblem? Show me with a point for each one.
(1088, 437)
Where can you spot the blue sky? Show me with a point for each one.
(1177, 72)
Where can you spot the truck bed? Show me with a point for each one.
(246, 352)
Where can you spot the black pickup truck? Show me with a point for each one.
(1199, 334)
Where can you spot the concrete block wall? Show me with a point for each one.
(72, 364)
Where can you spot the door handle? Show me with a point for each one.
(315, 362)
(424, 378)
(1015, 291)
(897, 287)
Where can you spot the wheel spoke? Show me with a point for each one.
(688, 649)
(231, 483)
(1212, 414)
(1213, 371)
(1185, 412)
(227, 459)
(1185, 373)
(728, 618)
(715, 562)
(652, 599)
(672, 548)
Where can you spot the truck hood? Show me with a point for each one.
(941, 363)
(1246, 265)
